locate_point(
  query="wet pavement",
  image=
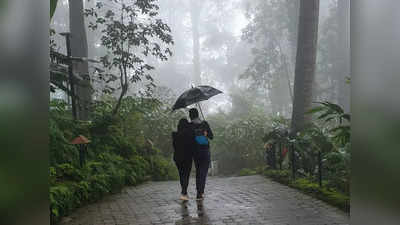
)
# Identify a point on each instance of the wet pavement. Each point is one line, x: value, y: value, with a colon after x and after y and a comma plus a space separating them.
x: 233, y: 200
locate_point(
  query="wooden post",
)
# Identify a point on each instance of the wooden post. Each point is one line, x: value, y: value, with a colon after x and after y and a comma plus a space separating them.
x: 71, y: 75
x: 82, y: 155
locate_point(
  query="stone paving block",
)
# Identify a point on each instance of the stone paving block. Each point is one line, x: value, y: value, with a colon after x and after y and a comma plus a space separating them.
x: 233, y: 200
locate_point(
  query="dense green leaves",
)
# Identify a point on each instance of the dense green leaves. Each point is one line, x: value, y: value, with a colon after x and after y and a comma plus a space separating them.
x: 119, y: 153
x: 335, y: 119
x: 238, y: 140
x: 329, y: 136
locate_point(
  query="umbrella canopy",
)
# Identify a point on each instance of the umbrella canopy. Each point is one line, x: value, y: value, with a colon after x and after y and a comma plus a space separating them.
x: 194, y: 95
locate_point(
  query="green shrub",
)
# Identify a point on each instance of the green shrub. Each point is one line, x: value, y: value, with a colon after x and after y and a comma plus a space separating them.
x: 99, y: 185
x: 281, y: 176
x: 72, y: 187
x: 52, y: 175
x: 67, y: 171
x: 261, y: 169
x: 247, y: 172
x: 93, y: 167
x: 61, y: 201
x: 306, y: 186
x: 117, y: 156
x: 60, y: 149
x: 163, y: 169
x: 82, y: 191
x: 332, y: 197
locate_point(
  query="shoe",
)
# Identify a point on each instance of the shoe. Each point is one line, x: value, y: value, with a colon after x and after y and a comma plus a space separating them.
x: 200, y: 197
x: 184, y: 198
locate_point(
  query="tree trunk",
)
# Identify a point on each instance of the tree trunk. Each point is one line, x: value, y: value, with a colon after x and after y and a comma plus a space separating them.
x: 293, y: 20
x: 79, y: 48
x: 305, y: 63
x: 71, y: 78
x: 293, y: 16
x: 124, y: 85
x: 195, y: 16
x: 344, y: 53
x: 124, y: 90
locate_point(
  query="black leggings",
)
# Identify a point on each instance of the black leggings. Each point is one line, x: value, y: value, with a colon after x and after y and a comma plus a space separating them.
x: 202, y: 162
x: 184, y: 168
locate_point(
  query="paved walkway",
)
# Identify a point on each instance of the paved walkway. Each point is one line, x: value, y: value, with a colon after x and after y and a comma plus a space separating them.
x: 234, y: 200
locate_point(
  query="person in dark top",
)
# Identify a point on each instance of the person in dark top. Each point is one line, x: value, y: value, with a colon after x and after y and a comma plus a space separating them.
x: 201, y: 150
x: 183, y: 142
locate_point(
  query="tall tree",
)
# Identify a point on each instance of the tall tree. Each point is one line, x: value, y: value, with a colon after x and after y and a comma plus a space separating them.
x: 292, y: 24
x: 130, y: 31
x: 79, y: 49
x: 305, y: 63
x: 195, y: 9
x: 343, y: 48
x: 272, y: 69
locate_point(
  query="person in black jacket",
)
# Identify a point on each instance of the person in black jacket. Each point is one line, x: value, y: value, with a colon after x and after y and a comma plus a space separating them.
x: 201, y: 150
x: 183, y: 142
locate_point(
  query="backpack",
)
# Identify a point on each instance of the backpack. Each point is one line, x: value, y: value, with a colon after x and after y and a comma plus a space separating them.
x: 199, y: 136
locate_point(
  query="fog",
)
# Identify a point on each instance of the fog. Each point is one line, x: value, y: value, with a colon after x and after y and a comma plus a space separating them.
x: 245, y: 48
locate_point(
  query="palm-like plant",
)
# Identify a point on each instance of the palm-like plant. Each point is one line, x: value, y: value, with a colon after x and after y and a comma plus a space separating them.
x: 330, y: 112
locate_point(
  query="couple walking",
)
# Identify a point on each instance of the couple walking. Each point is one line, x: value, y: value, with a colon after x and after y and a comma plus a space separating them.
x: 190, y: 143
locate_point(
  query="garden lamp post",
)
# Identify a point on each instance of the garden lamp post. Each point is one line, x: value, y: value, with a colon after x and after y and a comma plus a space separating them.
x: 82, y: 141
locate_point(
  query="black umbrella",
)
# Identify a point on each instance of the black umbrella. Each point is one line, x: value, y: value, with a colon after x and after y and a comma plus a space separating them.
x: 195, y: 95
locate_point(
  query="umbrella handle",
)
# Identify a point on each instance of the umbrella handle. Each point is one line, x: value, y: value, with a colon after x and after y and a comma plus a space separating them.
x: 201, y: 111
x: 198, y: 104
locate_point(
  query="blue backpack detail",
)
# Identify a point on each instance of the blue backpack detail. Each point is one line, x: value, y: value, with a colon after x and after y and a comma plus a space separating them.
x: 201, y: 140
x: 199, y: 130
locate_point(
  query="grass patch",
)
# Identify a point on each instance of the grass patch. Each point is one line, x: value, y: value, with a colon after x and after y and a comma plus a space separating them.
x: 330, y: 196
x: 247, y: 172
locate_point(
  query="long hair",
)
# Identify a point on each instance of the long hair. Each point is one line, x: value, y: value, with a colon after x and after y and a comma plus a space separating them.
x: 183, y: 124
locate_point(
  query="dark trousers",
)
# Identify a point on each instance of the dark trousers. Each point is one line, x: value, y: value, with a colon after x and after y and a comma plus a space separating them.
x: 202, y: 162
x: 184, y: 168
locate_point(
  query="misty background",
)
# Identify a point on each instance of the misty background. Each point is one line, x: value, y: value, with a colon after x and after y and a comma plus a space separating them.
x: 244, y: 48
